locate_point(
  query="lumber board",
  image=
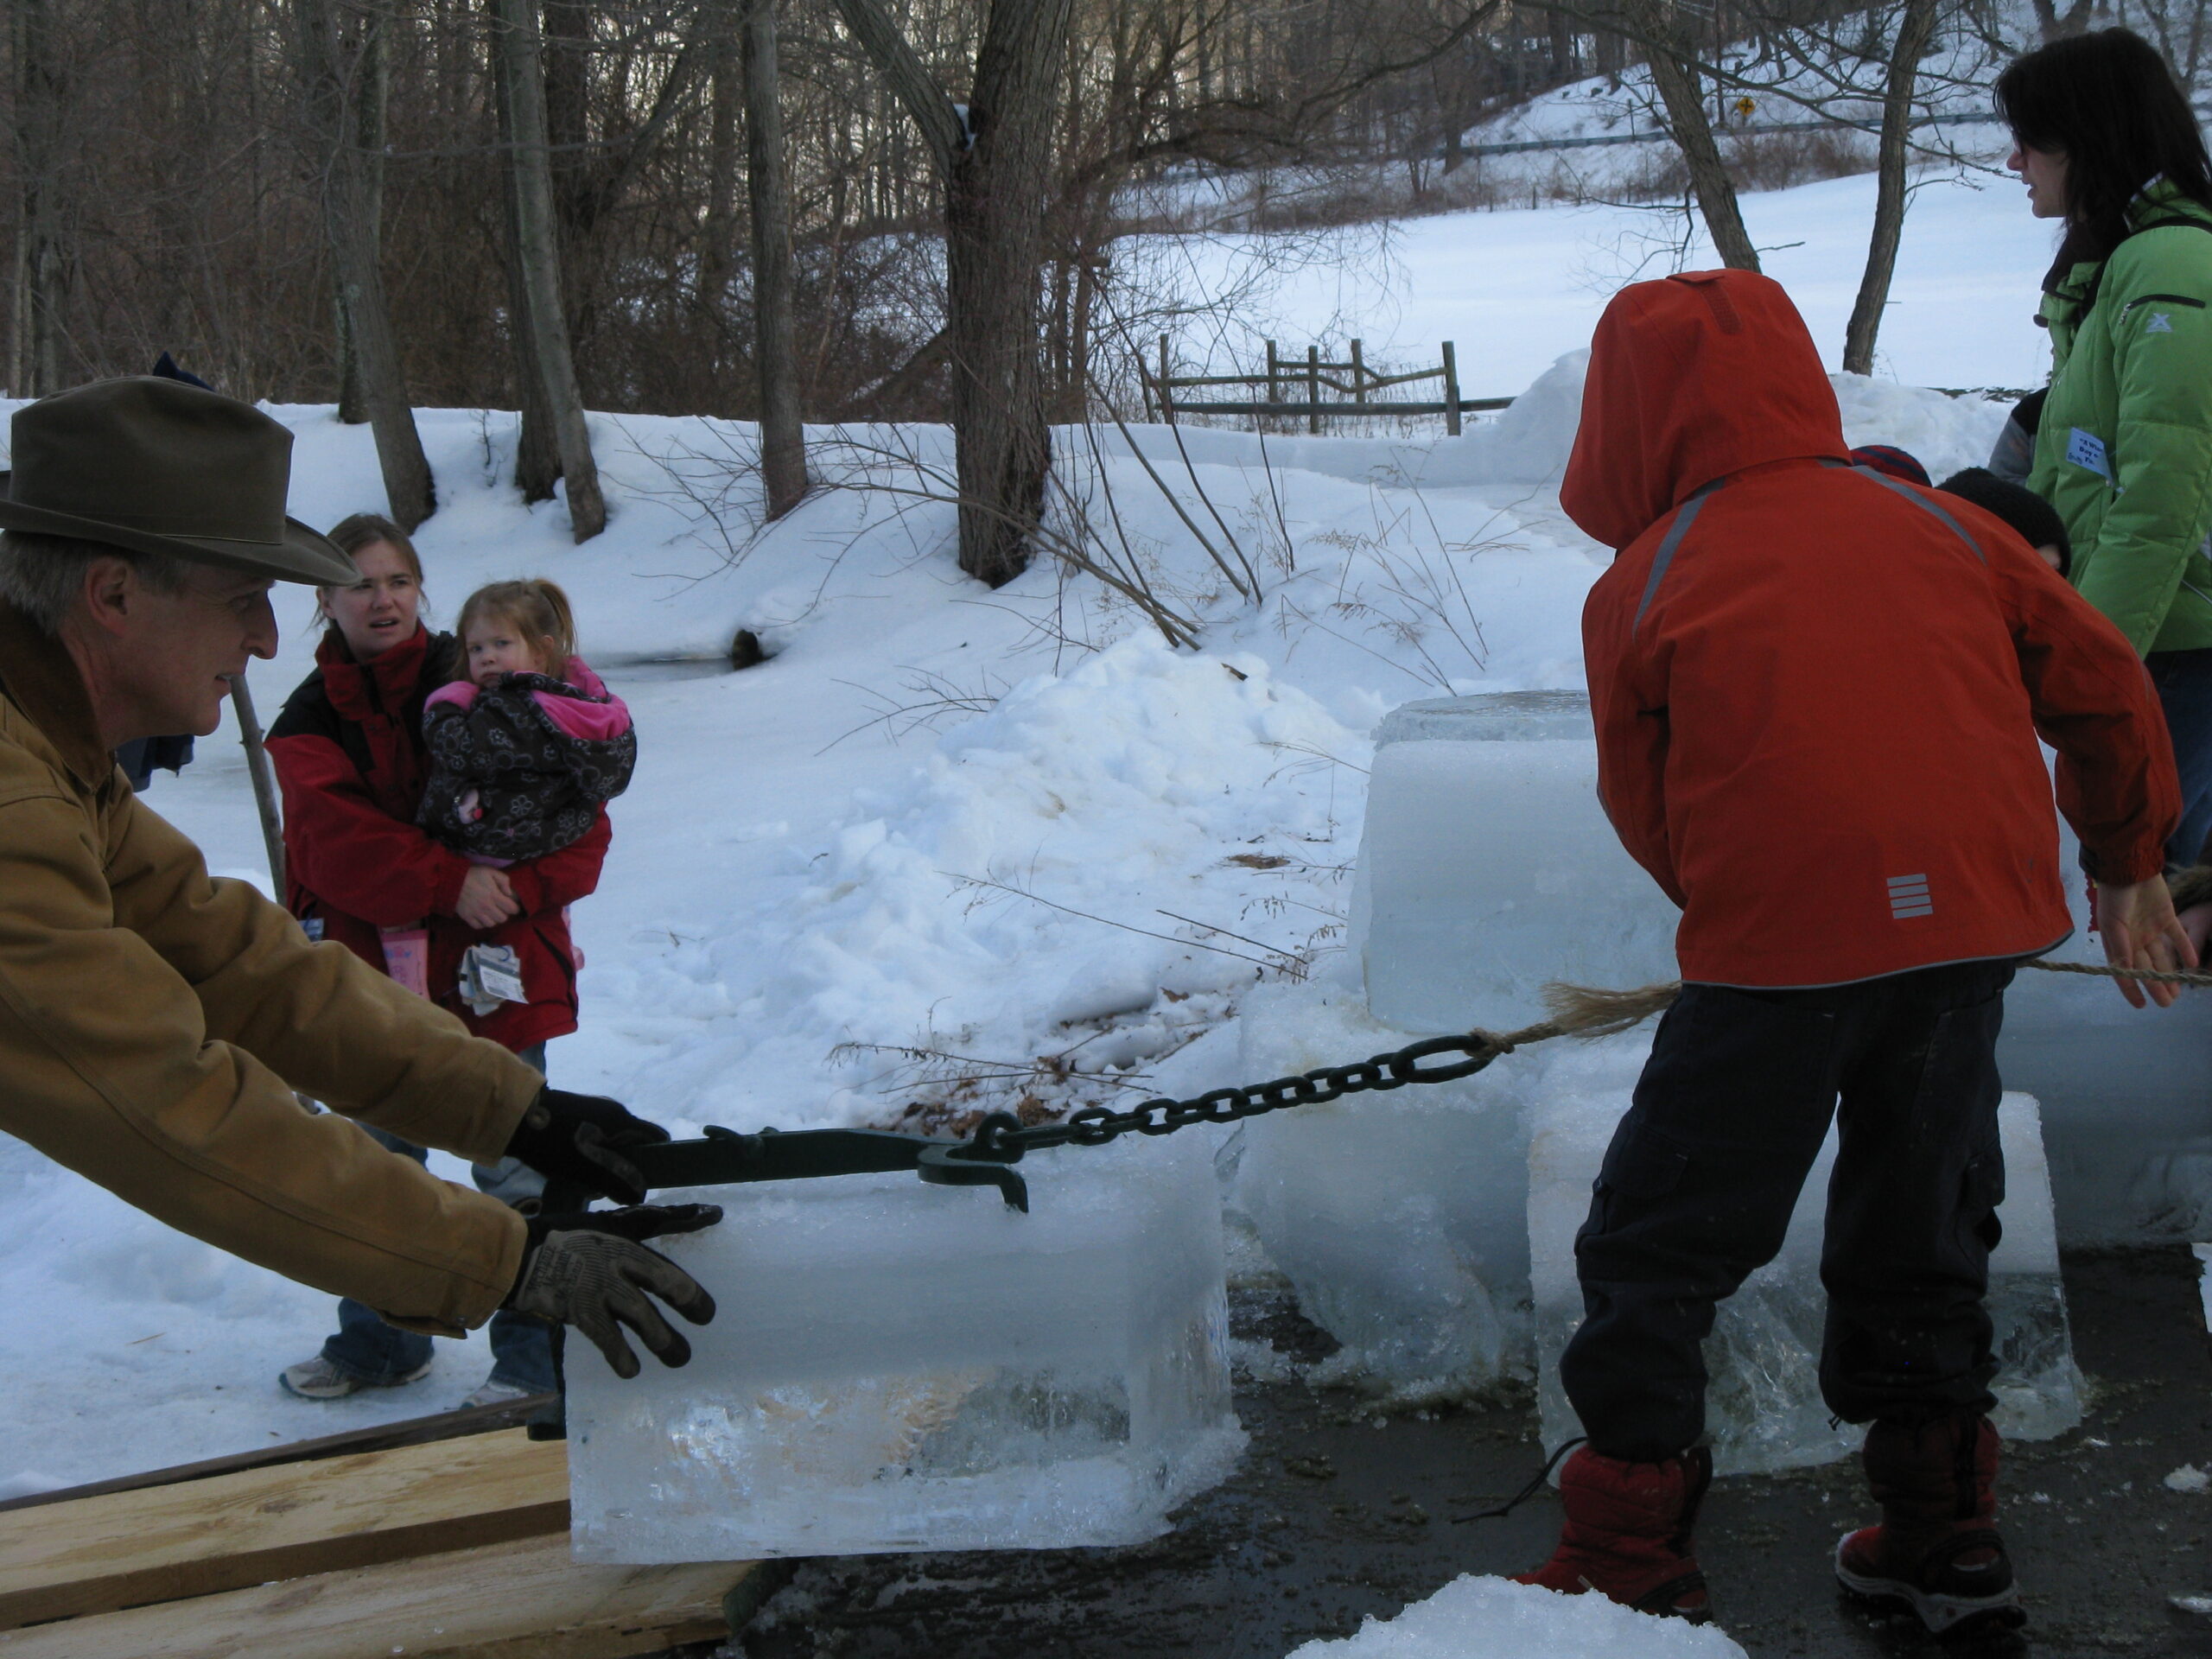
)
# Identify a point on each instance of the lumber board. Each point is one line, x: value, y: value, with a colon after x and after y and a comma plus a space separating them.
x: 521, y: 1600
x: 408, y: 1431
x: 202, y: 1537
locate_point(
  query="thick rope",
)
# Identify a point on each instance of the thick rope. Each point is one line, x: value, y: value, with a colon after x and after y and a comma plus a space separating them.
x: 1588, y: 1011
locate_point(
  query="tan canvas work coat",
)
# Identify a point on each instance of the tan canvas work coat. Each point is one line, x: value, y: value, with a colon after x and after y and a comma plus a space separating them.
x: 154, y: 1022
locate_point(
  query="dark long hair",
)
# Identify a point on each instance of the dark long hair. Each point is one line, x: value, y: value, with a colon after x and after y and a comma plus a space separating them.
x: 2107, y: 103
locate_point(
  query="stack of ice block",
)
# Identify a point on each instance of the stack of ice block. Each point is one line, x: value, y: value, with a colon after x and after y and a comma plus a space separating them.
x: 1487, y: 866
x: 1763, y: 1410
x: 902, y: 1367
x: 1397, y: 1217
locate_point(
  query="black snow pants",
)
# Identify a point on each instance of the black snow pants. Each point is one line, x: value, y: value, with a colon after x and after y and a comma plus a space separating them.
x: 1697, y: 1188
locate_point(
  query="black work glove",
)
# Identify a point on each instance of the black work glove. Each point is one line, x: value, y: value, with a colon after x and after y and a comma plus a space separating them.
x: 578, y: 1140
x: 590, y: 1269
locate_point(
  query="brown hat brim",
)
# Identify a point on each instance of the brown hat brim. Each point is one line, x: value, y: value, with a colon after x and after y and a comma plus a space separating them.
x: 303, y: 554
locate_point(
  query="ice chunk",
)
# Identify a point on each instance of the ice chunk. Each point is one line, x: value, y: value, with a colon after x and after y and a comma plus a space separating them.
x: 2122, y: 1091
x: 1763, y: 1410
x: 1475, y: 1618
x: 1396, y: 1216
x: 1487, y: 866
x: 902, y: 1367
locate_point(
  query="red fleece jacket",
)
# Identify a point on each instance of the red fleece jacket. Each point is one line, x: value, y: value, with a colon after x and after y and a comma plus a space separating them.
x: 1818, y: 692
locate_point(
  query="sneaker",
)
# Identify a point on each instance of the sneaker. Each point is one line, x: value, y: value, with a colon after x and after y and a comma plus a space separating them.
x: 1627, y: 1533
x: 496, y: 1393
x: 1937, y: 1550
x: 318, y: 1379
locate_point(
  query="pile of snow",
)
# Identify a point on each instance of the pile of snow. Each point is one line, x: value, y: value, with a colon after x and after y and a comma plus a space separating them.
x: 1481, y: 1617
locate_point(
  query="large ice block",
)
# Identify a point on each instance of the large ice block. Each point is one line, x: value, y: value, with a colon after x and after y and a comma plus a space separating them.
x: 1763, y: 1410
x: 1397, y: 1217
x: 902, y: 1367
x: 1487, y: 866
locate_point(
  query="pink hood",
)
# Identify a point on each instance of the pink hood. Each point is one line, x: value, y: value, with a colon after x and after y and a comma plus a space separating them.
x: 589, y: 711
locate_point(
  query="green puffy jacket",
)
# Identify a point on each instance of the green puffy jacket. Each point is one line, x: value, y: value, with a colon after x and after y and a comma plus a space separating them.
x: 2124, y: 448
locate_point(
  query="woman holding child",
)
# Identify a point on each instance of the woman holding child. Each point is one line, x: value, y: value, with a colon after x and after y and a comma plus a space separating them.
x: 2105, y: 142
x: 471, y: 911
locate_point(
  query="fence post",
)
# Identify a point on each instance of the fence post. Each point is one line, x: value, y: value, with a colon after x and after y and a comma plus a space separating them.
x: 1313, y: 390
x: 1144, y: 381
x: 1274, y: 368
x: 1358, y: 374
x: 1166, y: 390
x: 1451, y: 390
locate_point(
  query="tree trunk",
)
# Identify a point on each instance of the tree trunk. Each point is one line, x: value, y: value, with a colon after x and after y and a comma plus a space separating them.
x: 783, y: 444
x: 537, y: 458
x: 45, y: 269
x: 371, y: 82
x: 542, y: 335
x: 1672, y: 73
x: 997, y: 163
x: 332, y: 70
x: 1914, y: 30
x: 994, y: 245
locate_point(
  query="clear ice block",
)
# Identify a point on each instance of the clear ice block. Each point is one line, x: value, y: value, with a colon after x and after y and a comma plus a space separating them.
x: 1764, y: 1409
x: 1397, y: 1217
x: 1487, y: 866
x: 895, y: 1366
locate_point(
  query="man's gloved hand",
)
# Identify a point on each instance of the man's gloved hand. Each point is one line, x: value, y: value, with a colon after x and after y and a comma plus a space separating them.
x: 579, y: 1139
x: 590, y: 1269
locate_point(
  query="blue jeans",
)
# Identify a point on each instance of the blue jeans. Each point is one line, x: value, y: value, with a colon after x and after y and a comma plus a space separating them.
x: 368, y: 1350
x: 2184, y: 679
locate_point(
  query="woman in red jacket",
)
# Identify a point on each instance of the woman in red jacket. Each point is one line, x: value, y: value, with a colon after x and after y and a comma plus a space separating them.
x: 350, y: 759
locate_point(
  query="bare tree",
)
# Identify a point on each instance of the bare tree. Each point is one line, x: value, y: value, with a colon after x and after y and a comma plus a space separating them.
x: 45, y: 267
x: 542, y: 331
x: 1673, y: 57
x: 1916, y: 27
x: 783, y: 444
x: 337, y: 46
x: 994, y: 154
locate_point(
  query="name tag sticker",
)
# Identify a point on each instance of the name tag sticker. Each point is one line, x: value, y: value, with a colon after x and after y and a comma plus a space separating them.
x: 2087, y: 450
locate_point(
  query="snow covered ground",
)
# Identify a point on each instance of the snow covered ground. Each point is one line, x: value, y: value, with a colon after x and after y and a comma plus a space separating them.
x: 952, y: 848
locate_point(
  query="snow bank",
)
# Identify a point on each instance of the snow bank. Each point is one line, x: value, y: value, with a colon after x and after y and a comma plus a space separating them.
x: 1481, y: 1617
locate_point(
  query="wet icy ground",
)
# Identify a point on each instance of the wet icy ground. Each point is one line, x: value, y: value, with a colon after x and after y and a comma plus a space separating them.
x: 1335, y: 1517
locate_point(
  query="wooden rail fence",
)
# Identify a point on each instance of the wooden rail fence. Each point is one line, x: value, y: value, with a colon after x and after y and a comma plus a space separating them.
x: 1287, y: 378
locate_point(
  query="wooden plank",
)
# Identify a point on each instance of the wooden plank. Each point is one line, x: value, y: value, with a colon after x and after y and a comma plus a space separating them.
x: 522, y: 1600
x: 199, y: 1537
x: 408, y: 1431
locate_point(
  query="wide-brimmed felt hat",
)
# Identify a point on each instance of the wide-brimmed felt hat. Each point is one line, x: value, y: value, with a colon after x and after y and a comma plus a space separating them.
x: 157, y: 466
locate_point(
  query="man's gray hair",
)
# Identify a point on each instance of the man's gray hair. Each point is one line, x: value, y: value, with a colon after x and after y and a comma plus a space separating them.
x: 42, y: 575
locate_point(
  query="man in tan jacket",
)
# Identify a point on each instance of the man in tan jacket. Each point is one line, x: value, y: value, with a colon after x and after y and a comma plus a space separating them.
x: 154, y: 1022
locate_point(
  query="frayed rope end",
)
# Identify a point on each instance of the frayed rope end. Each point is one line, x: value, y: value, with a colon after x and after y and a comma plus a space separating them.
x: 1588, y: 1011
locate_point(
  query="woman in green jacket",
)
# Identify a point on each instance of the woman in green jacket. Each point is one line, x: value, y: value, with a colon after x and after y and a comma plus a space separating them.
x: 2106, y: 141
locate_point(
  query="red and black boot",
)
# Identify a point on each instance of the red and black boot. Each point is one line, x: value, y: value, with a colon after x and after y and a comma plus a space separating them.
x: 1937, y: 1549
x: 1627, y: 1533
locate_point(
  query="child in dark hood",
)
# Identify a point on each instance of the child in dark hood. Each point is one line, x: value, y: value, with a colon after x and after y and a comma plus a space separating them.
x: 526, y: 751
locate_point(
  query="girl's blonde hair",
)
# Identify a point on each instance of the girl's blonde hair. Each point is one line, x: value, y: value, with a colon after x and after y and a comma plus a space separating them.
x: 535, y: 608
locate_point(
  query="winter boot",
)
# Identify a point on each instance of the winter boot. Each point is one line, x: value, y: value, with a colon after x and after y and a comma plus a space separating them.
x: 1937, y: 1550
x: 1627, y: 1533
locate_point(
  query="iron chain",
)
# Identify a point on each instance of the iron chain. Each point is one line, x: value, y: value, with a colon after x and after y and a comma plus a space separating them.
x: 1002, y: 1137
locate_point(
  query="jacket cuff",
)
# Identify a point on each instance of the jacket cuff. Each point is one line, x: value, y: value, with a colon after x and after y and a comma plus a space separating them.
x: 453, y: 870
x: 472, y: 1302
x: 2111, y: 869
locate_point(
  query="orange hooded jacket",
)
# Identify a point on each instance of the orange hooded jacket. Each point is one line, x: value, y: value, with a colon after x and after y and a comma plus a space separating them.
x: 1818, y: 689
